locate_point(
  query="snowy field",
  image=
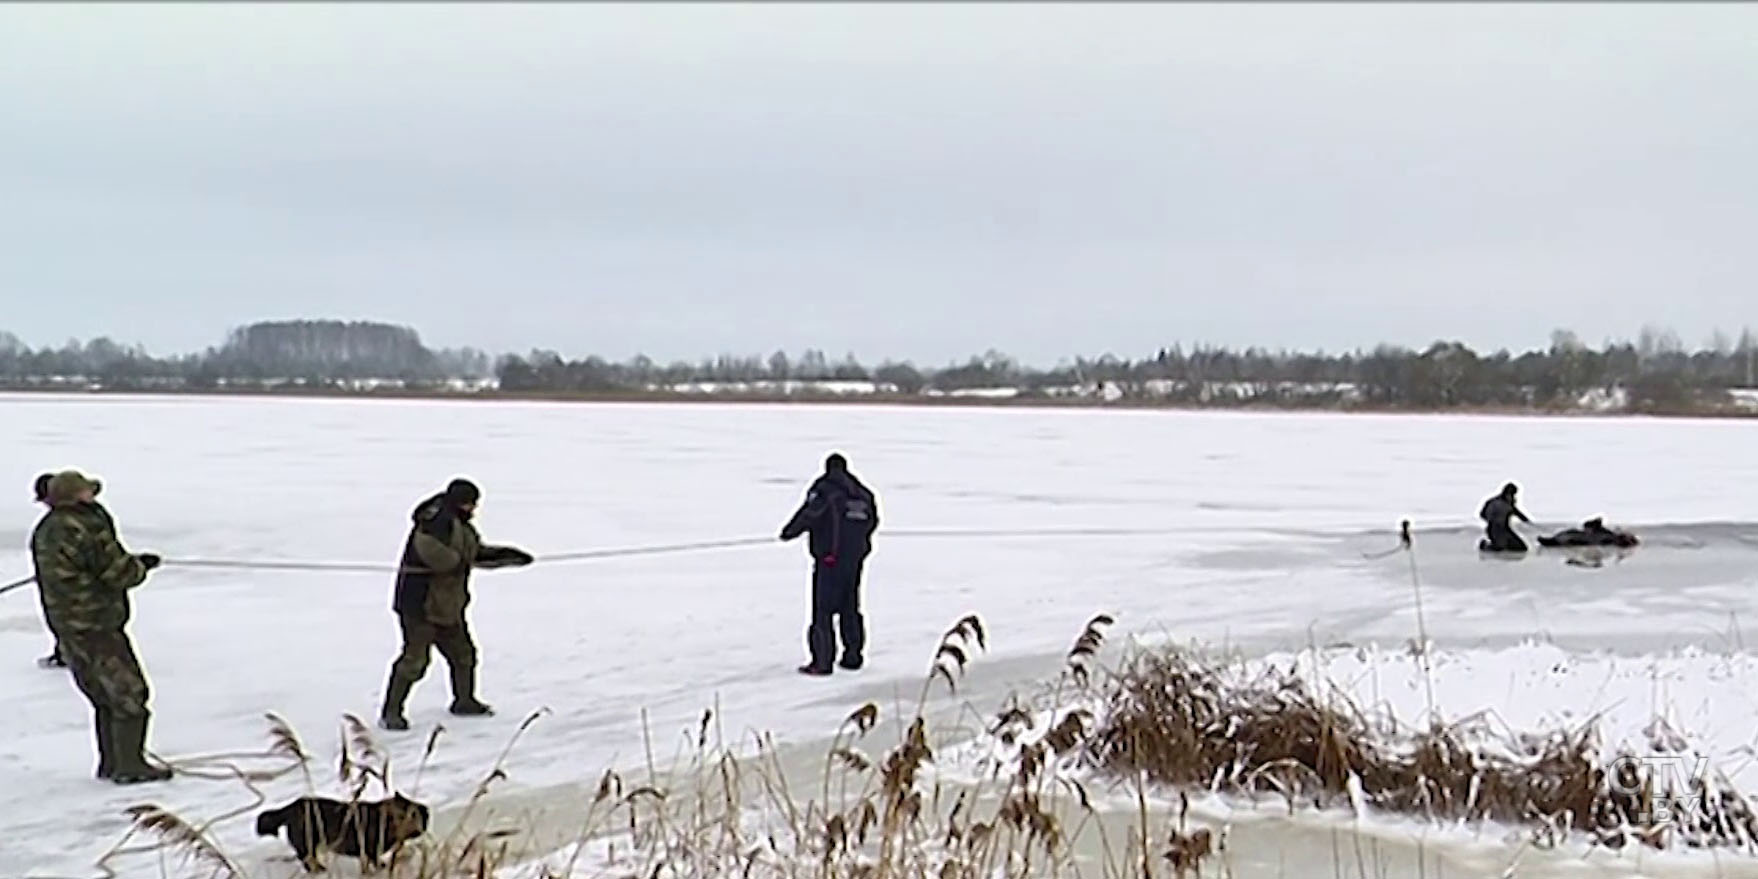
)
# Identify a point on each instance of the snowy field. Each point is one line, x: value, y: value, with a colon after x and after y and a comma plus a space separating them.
x: 1246, y: 531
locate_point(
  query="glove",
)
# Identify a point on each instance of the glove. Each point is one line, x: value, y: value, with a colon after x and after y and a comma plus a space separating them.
x: 504, y: 557
x: 150, y: 560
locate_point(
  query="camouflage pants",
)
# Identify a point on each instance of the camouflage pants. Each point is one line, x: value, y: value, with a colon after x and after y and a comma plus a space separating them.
x: 420, y: 637
x: 106, y: 670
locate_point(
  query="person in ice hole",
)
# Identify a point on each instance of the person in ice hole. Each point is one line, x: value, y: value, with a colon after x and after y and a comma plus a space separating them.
x: 1592, y: 532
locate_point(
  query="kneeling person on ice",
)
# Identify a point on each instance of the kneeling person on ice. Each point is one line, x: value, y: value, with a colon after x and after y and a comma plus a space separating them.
x: 85, y: 575
x: 433, y: 589
x: 841, y: 515
x: 1499, y: 534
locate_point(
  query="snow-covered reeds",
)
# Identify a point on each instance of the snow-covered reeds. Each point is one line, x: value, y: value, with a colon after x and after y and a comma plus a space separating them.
x: 1189, y: 722
x: 911, y: 794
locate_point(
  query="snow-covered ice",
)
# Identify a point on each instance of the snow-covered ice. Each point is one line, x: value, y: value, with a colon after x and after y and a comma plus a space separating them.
x: 1260, y: 521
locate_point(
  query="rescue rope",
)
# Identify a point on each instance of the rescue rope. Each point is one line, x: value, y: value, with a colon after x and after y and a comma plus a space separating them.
x: 657, y: 549
x: 665, y: 549
x: 1405, y: 544
x: 1044, y: 532
x: 1408, y: 545
x: 369, y: 567
x: 211, y: 767
x: 241, y: 564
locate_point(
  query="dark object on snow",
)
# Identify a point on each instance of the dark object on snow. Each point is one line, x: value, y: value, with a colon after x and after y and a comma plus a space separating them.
x: 432, y: 592
x: 1591, y: 533
x: 841, y: 515
x: 368, y: 830
x: 1405, y: 544
x: 1497, y: 512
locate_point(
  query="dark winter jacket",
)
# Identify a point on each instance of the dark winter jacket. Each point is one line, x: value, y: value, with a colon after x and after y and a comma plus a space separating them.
x: 443, y: 547
x: 840, y: 514
x: 1498, y: 510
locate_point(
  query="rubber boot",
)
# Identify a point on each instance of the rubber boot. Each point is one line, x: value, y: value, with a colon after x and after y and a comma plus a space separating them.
x: 464, y: 701
x: 396, y: 693
x: 128, y: 752
x: 821, y: 644
x: 106, y: 743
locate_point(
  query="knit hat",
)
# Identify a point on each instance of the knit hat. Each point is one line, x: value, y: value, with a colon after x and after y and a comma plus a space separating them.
x: 462, y: 492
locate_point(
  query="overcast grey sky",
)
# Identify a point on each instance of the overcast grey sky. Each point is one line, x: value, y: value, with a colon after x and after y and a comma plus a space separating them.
x: 921, y: 181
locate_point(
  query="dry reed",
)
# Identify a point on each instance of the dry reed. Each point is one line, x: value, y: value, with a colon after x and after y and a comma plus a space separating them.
x: 886, y: 810
x: 1183, y: 721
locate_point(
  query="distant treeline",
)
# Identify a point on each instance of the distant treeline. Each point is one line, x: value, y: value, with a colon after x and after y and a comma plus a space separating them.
x: 306, y: 352
x: 1656, y: 371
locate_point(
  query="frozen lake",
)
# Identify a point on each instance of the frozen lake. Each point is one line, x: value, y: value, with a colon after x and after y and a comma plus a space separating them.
x: 1258, y: 528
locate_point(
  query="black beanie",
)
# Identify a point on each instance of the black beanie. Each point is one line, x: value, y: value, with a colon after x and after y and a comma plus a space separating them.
x: 461, y: 492
x: 836, y: 463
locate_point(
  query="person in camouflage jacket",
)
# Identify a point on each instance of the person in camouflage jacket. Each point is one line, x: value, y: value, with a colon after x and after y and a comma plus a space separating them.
x: 84, y: 575
x: 432, y: 591
x: 41, y: 487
